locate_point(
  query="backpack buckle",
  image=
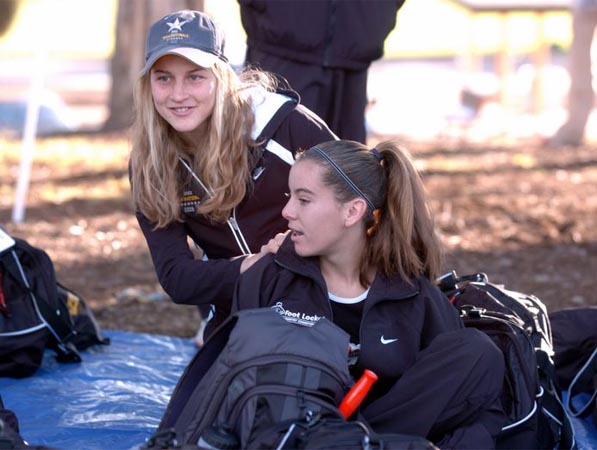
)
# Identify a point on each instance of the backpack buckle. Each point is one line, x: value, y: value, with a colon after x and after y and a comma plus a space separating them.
x: 163, y: 439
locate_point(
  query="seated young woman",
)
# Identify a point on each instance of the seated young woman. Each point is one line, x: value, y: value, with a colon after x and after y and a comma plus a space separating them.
x: 362, y: 251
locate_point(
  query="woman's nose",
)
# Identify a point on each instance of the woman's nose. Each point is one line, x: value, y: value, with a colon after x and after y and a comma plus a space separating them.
x: 287, y: 210
x: 179, y: 91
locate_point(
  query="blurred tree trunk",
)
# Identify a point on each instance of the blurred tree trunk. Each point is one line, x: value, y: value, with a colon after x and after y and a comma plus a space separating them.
x: 133, y: 20
x: 8, y: 9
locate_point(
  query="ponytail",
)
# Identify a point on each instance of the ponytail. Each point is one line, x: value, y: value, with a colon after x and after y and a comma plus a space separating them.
x: 404, y: 240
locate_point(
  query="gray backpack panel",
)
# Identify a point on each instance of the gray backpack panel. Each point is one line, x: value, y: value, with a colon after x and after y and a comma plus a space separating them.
x: 255, y: 371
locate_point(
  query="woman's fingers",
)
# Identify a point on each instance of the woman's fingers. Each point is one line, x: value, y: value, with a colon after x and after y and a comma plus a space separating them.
x: 272, y: 246
x: 274, y: 243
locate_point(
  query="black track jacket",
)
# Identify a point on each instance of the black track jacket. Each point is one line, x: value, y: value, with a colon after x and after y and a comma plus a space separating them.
x: 191, y: 281
x: 399, y: 319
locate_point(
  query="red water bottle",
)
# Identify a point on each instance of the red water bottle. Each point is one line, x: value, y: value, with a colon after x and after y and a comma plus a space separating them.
x: 357, y: 393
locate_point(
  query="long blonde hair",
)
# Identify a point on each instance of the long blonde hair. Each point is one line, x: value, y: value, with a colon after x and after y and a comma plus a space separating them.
x: 222, y: 159
x: 401, y: 235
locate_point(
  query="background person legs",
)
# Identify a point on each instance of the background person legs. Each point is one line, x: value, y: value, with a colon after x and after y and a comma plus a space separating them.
x: 338, y: 96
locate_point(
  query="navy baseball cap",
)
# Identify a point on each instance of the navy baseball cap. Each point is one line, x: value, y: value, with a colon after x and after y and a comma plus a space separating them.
x: 190, y: 34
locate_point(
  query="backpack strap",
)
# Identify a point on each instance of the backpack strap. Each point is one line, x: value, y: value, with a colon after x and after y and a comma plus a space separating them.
x: 584, y: 381
x: 551, y: 403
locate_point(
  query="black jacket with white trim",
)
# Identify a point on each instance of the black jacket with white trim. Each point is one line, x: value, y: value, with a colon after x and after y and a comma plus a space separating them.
x: 255, y: 220
x: 400, y: 319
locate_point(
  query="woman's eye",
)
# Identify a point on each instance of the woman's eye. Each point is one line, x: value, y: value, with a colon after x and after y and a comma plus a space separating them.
x: 196, y: 77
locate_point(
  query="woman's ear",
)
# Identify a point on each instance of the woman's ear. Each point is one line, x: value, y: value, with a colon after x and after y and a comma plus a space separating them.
x: 355, y: 211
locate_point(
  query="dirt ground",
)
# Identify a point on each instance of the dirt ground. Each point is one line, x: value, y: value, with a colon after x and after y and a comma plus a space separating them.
x: 525, y: 215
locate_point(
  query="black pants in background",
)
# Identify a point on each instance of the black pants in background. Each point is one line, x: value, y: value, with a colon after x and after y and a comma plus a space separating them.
x: 338, y: 96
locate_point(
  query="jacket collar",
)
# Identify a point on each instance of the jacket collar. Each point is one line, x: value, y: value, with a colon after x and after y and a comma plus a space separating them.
x: 382, y: 288
x: 266, y: 110
x: 288, y: 258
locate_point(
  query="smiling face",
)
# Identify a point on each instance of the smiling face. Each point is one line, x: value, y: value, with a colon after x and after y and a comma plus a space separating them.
x: 316, y: 219
x: 183, y: 93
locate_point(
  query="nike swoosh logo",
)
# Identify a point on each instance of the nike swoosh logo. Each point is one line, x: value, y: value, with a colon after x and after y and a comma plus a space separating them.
x: 388, y: 341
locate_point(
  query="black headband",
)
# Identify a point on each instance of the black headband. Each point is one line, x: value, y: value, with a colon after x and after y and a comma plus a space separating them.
x: 345, y: 177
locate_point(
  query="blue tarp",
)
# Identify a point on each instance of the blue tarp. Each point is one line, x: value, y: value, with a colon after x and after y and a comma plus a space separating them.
x: 116, y: 397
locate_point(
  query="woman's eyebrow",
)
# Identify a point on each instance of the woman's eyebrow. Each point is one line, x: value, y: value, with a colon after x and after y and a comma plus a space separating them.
x: 303, y: 191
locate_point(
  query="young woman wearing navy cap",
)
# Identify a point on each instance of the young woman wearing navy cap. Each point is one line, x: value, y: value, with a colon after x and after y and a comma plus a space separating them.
x: 211, y: 153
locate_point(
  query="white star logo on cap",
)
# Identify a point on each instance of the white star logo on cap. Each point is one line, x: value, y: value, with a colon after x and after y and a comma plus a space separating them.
x: 176, y: 25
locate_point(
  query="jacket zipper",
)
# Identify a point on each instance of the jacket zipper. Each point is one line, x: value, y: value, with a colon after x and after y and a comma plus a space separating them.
x: 216, y: 400
x: 232, y: 223
x: 237, y: 234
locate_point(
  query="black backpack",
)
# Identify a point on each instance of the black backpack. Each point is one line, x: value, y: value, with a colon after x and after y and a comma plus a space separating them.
x: 519, y: 325
x: 332, y: 433
x: 38, y: 313
x: 260, y: 382
x: 255, y: 371
x: 575, y: 343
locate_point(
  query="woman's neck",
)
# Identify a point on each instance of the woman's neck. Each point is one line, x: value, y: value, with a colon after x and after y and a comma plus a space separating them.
x: 196, y: 136
x: 341, y: 273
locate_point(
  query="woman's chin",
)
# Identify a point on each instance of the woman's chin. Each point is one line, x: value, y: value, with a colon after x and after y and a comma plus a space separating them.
x: 303, y: 251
